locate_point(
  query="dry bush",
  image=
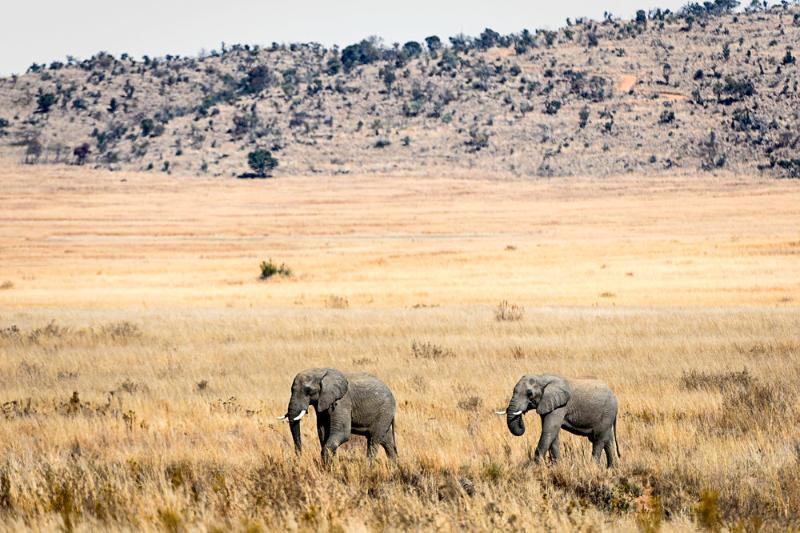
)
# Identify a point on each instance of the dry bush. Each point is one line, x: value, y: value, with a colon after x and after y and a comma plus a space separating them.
x: 6, y: 285
x: 336, y: 302
x: 506, y: 312
x: 698, y: 380
x: 429, y: 350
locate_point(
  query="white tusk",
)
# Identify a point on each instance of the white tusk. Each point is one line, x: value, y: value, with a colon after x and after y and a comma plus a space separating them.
x: 517, y: 413
x: 500, y: 412
x: 301, y: 415
x: 284, y: 417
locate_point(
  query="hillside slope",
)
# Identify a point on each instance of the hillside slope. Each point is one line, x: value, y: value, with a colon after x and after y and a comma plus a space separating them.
x: 702, y: 89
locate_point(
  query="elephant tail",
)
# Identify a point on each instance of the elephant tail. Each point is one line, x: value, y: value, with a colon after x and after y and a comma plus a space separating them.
x: 616, y: 440
x: 394, y: 440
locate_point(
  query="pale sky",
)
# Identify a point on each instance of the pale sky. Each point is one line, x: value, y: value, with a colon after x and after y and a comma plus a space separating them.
x: 47, y: 30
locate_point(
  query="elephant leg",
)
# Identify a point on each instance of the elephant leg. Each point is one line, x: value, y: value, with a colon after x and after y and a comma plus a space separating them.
x: 372, y: 448
x: 332, y: 444
x: 555, y: 451
x: 323, y: 428
x: 338, y: 433
x: 597, y: 449
x: 551, y: 425
x: 389, y: 445
x: 611, y: 454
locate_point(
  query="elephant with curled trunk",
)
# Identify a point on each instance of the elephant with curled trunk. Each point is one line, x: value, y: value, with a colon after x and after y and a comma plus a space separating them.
x: 357, y: 404
x: 585, y: 407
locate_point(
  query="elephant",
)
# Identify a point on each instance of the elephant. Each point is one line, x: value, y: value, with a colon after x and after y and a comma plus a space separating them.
x: 345, y: 404
x: 585, y: 407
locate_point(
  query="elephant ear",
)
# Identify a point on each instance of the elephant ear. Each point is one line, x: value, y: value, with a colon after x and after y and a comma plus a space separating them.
x: 332, y: 387
x: 556, y: 394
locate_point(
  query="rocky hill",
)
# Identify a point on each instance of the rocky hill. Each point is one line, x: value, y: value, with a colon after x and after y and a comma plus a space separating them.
x: 706, y: 89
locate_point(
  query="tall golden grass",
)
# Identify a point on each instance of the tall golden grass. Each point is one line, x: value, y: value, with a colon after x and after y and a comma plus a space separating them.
x: 140, y: 379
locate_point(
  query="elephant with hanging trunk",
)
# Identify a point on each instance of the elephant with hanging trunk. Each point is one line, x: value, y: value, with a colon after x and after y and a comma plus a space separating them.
x: 584, y: 407
x: 357, y: 404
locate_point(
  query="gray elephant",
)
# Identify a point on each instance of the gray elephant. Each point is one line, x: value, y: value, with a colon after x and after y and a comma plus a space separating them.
x: 357, y: 404
x: 585, y: 407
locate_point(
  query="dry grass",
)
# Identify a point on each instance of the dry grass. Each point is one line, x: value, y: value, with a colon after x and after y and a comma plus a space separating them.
x: 142, y: 363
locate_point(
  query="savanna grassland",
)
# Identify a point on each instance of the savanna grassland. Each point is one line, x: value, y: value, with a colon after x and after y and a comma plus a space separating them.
x: 143, y: 363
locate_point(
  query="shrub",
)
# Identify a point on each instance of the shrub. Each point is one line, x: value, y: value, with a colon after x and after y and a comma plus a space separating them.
x: 506, y: 312
x: 583, y: 117
x: 788, y: 59
x: 147, y: 125
x: 44, y: 101
x: 667, y: 117
x: 256, y: 80
x: 363, y: 53
x: 477, y: 140
x: 81, y: 153
x: 551, y: 107
x: 433, y: 43
x: 428, y: 350
x: 336, y: 302
x: 262, y: 162
x: 412, y: 49
x: 270, y: 269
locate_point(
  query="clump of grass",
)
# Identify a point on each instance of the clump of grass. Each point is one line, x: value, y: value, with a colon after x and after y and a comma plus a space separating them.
x: 508, y: 312
x: 270, y: 269
x: 473, y: 403
x: 707, y: 513
x: 120, y: 331
x: 336, y: 302
x: 698, y: 380
x: 429, y: 350
x: 6, y: 285
x: 517, y: 352
x: 650, y: 515
x: 131, y: 387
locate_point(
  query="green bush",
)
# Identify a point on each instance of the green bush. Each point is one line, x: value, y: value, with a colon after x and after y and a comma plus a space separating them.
x: 269, y: 269
x: 262, y: 162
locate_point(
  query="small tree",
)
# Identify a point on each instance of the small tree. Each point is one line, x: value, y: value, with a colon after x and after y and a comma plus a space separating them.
x: 44, y: 102
x: 412, y: 49
x: 262, y: 162
x: 81, y: 153
x: 583, y: 117
x: 434, y: 43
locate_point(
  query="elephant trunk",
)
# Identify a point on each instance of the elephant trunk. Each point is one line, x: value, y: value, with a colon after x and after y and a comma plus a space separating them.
x: 516, y: 425
x: 297, y: 406
x: 295, y: 428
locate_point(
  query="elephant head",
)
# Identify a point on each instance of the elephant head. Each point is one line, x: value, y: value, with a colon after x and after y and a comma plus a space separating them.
x: 543, y: 393
x: 320, y: 387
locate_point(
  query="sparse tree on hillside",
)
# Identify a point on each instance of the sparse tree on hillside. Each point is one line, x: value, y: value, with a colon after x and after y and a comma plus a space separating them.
x: 262, y: 162
x: 433, y: 43
x: 256, y: 80
x: 44, y: 101
x: 412, y: 49
x: 81, y: 153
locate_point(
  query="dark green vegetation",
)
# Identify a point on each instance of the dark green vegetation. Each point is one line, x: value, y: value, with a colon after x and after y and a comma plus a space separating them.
x: 522, y: 104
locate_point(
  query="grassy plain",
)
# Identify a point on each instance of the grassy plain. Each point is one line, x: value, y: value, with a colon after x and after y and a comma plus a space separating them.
x: 141, y: 294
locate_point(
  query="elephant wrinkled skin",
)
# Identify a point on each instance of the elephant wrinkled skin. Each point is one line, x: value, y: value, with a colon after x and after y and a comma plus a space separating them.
x: 585, y: 407
x: 345, y: 404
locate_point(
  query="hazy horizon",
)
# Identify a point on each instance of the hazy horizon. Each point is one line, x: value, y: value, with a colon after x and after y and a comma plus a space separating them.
x: 49, y: 31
